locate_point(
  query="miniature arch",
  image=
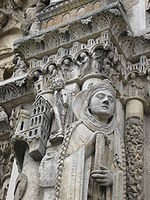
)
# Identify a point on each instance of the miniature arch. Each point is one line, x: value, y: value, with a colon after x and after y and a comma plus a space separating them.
x: 31, y: 73
x: 45, y: 68
x: 77, y: 55
x: 98, y: 46
x: 69, y: 57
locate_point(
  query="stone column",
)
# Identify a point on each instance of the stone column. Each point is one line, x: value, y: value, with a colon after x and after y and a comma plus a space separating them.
x: 134, y: 143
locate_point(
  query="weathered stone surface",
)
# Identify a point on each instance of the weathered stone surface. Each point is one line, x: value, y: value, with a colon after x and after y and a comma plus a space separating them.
x: 74, y: 88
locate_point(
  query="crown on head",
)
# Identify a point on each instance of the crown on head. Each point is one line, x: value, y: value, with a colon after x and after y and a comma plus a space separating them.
x: 103, y: 85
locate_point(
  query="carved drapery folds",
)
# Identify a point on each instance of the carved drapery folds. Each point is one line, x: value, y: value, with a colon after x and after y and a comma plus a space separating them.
x: 20, y: 187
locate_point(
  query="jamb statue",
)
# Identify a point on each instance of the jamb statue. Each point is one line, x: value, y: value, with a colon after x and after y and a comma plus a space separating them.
x: 92, y: 161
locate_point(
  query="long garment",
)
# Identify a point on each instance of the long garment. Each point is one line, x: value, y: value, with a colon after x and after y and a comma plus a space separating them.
x: 80, y: 160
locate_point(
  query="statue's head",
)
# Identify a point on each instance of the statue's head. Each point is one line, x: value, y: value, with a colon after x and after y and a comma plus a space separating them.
x: 101, y: 101
x: 83, y: 54
x: 96, y: 102
x: 102, y: 104
x: 64, y: 97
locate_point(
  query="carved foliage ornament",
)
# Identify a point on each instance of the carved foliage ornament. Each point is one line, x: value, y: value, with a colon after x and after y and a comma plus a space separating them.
x: 134, y: 143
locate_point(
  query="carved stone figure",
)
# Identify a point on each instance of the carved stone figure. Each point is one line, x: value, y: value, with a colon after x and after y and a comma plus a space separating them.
x: 84, y: 63
x: 69, y: 69
x: 20, y: 188
x: 98, y: 60
x: 38, y: 81
x: 3, y: 115
x: 91, y: 164
x: 34, y: 27
x: 20, y: 65
x: 57, y: 83
x: 14, y: 117
x: 66, y: 65
x: 62, y: 113
x: 51, y: 71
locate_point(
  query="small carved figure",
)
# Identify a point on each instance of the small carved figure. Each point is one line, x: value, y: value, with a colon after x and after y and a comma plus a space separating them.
x: 20, y: 66
x: 84, y: 63
x: 70, y: 70
x: 14, y: 117
x: 98, y: 60
x: 38, y: 81
x: 57, y: 83
x: 66, y: 65
x: 21, y: 185
x: 51, y: 74
x: 61, y: 104
x: 34, y: 27
x: 3, y: 115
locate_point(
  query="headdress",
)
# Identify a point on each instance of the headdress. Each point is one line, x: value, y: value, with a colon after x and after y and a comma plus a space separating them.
x: 81, y: 101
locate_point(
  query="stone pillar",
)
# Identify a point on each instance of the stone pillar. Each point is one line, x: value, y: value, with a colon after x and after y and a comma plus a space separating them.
x: 134, y: 143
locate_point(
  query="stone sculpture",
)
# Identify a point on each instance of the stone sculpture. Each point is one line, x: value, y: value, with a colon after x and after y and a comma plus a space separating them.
x: 70, y: 70
x: 62, y: 116
x: 3, y: 115
x: 101, y: 62
x: 84, y: 63
x: 91, y: 165
x: 20, y: 188
x: 66, y: 65
x: 52, y: 73
x: 20, y: 66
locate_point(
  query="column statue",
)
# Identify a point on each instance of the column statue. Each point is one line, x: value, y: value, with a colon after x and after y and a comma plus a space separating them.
x: 92, y: 160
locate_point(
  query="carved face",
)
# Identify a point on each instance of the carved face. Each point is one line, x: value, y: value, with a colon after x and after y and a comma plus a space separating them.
x: 102, y: 105
x: 66, y: 61
x: 64, y: 97
x: 83, y: 54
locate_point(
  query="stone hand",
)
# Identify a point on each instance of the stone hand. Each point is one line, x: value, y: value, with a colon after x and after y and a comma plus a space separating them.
x: 102, y: 176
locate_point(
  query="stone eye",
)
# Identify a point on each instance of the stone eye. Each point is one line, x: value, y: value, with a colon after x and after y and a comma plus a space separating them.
x: 110, y: 99
x: 100, y: 96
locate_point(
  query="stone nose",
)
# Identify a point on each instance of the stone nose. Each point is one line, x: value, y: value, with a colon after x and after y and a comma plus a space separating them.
x: 105, y: 100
